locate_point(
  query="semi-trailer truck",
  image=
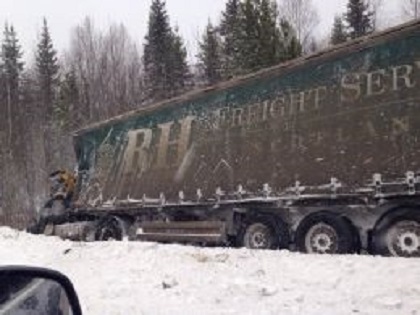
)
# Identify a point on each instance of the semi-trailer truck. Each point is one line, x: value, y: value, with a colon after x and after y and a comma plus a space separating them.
x: 319, y: 154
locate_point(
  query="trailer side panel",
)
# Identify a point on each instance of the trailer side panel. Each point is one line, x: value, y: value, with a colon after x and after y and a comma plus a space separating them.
x: 345, y: 114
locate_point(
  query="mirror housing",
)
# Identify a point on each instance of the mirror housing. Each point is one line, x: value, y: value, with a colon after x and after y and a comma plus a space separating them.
x: 20, y: 284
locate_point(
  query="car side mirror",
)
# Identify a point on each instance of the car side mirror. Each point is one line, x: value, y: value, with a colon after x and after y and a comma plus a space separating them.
x: 27, y: 290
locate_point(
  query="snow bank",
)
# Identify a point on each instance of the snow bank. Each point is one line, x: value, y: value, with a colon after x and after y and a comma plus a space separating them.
x: 149, y: 278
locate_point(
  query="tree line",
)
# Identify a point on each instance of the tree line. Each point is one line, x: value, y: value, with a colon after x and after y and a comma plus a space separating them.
x: 105, y: 73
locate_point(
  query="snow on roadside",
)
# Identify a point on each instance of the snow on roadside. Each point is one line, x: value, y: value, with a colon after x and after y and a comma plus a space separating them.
x: 149, y: 278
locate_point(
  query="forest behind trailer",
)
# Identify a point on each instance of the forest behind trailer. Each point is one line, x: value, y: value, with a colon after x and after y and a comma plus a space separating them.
x: 216, y: 164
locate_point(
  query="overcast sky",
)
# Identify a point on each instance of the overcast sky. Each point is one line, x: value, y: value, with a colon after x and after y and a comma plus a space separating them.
x: 190, y: 15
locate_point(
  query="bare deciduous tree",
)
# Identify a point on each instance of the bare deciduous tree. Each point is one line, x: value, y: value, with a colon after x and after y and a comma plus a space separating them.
x: 122, y: 64
x: 376, y: 7
x: 108, y: 70
x: 410, y: 9
x: 304, y: 18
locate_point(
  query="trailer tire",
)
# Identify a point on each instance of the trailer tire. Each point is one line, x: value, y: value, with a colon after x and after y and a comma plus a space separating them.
x: 398, y: 234
x: 327, y: 233
x: 111, y: 228
x: 259, y: 235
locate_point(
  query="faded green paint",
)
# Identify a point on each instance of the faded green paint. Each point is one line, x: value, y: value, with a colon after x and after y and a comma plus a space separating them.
x: 359, y: 115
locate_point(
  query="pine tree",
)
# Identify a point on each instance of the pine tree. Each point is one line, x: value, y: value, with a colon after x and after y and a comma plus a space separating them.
x: 12, y: 126
x: 260, y: 41
x: 359, y: 18
x: 178, y: 66
x: 270, y: 50
x: 338, y: 34
x: 11, y: 70
x: 155, y: 58
x: 164, y: 58
x: 249, y: 40
x: 12, y: 66
x: 67, y: 113
x: 292, y: 48
x: 230, y: 31
x: 47, y: 70
x: 210, y: 60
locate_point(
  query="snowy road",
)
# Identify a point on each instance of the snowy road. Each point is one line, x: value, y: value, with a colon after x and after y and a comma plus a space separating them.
x: 148, y: 278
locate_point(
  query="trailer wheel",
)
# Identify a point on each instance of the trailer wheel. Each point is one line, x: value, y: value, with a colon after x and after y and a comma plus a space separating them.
x: 110, y: 229
x: 398, y: 234
x: 327, y: 233
x: 259, y: 236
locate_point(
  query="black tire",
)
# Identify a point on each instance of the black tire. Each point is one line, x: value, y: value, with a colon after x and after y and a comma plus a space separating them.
x: 398, y: 234
x: 109, y: 229
x: 36, y: 228
x: 327, y: 233
x: 265, y: 232
x: 259, y: 236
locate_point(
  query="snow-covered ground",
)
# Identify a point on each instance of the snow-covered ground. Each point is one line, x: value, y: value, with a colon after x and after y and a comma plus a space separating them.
x: 149, y: 278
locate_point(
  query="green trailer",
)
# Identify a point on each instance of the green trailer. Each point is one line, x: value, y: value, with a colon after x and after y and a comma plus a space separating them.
x: 318, y: 154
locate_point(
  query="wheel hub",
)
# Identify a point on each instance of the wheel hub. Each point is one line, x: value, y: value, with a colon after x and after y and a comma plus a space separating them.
x: 259, y: 240
x: 403, y: 239
x: 321, y: 239
x: 107, y: 234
